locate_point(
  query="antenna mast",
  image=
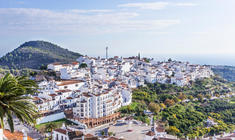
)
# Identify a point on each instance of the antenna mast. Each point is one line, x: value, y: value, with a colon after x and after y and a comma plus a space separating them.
x: 107, y: 52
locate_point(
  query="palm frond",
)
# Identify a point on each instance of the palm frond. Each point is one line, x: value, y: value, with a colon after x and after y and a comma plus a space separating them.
x: 14, y: 100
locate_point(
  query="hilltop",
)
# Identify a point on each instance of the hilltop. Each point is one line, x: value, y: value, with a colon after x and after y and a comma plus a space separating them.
x: 34, y: 54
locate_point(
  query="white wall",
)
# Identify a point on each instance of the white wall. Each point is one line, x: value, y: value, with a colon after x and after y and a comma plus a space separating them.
x: 60, y: 135
x: 72, y: 86
x: 1, y: 134
x: 50, y: 118
x: 126, y: 97
x: 78, y: 123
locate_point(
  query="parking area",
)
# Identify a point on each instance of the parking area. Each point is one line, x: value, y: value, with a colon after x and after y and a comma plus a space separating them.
x: 130, y: 130
x: 123, y: 129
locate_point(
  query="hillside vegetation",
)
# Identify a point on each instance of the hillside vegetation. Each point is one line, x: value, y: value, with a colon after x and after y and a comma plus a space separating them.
x: 34, y: 54
x: 227, y: 72
x: 185, y: 110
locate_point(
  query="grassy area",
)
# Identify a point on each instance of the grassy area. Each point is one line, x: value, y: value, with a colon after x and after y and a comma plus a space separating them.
x: 232, y: 100
x: 58, y: 123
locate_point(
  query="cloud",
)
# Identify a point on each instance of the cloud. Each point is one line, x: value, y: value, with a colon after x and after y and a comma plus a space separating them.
x: 151, y: 5
x: 75, y: 21
x: 155, y: 5
x: 90, y: 11
x: 186, y: 4
x: 201, y: 33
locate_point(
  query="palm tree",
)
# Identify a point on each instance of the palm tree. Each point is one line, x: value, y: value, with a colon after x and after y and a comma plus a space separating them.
x: 50, y: 127
x: 14, y: 100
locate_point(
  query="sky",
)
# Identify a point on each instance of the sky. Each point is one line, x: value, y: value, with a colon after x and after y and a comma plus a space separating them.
x: 155, y: 28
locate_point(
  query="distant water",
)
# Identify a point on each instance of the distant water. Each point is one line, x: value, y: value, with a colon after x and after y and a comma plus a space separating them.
x: 211, y: 59
x: 200, y: 59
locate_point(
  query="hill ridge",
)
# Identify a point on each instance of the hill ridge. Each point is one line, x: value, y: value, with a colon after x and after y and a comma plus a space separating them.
x: 34, y: 54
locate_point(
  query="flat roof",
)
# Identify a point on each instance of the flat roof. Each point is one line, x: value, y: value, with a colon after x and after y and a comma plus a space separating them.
x: 69, y: 82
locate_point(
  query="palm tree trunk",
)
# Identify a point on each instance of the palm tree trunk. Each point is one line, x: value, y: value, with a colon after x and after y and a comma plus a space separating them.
x: 51, y: 133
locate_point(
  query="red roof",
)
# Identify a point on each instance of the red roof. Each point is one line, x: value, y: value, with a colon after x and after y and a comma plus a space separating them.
x: 56, y: 63
x: 63, y: 131
x: 70, y: 82
x: 113, y: 138
x: 86, y: 95
x: 150, y: 133
x: 160, y: 129
x: 52, y: 95
x: 74, y: 63
x: 36, y: 98
x: 109, y: 101
x: 65, y: 90
x: 15, y: 135
x: 89, y: 135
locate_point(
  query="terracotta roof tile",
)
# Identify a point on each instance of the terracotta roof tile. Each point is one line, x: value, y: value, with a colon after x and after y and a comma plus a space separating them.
x: 15, y: 135
x: 89, y: 135
x: 150, y: 133
x: 65, y: 90
x: 62, y: 131
x: 70, y: 82
x: 113, y: 138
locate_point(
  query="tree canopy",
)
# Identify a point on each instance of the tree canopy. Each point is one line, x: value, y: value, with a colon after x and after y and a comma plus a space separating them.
x: 35, y: 54
x: 14, y: 100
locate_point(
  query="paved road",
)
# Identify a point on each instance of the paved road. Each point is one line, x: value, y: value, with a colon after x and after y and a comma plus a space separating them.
x: 97, y: 130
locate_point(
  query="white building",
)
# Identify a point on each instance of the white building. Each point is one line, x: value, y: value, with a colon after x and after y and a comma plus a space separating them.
x: 96, y: 106
x: 55, y: 67
x: 106, y: 84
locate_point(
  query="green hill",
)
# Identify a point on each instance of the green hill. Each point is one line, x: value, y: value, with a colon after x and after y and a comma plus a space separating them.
x: 227, y: 72
x: 183, y: 111
x: 34, y: 54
